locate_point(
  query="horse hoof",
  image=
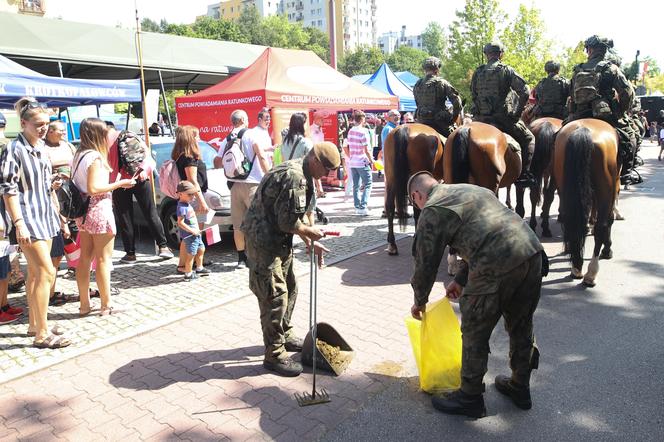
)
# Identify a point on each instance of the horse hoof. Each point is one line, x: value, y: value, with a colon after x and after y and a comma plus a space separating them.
x: 576, y: 274
x: 606, y: 254
x: 619, y: 217
x: 588, y: 282
x: 546, y: 233
x: 392, y: 250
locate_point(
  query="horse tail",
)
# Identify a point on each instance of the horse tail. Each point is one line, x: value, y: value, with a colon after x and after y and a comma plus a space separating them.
x: 401, y: 173
x: 577, y: 193
x: 544, y: 142
x: 460, y: 156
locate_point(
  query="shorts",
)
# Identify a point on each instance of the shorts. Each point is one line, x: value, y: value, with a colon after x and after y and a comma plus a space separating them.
x: 58, y: 246
x: 241, y: 196
x: 193, y: 243
x: 4, y: 267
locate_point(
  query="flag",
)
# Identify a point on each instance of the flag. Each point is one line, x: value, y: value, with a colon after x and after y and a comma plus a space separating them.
x: 212, y: 235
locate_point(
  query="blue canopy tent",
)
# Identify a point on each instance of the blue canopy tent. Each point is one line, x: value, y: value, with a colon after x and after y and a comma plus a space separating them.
x: 17, y: 81
x: 407, y: 77
x: 386, y: 81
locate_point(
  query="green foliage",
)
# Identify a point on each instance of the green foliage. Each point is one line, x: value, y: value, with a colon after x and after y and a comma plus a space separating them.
x: 474, y: 26
x: 218, y: 29
x: 526, y: 48
x: 570, y: 58
x: 318, y: 42
x: 250, y: 23
x: 405, y: 58
x: 148, y: 25
x: 433, y: 39
x: 363, y: 60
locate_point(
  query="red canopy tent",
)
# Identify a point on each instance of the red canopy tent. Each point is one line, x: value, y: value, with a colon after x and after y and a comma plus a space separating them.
x: 282, y: 79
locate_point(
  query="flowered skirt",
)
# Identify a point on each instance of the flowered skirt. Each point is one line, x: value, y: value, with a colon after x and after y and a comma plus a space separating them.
x: 100, y: 218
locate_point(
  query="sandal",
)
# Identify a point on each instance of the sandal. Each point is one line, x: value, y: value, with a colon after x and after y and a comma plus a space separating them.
x: 56, y: 330
x: 83, y: 313
x: 180, y: 269
x: 53, y: 341
x: 93, y: 293
x: 108, y: 311
x: 58, y: 299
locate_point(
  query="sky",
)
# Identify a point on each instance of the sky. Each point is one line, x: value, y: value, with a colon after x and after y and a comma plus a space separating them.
x: 567, y: 21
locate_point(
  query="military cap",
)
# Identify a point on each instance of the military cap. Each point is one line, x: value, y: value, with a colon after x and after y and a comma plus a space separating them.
x: 551, y: 66
x: 431, y: 63
x: 491, y: 48
x: 328, y: 154
x: 595, y: 41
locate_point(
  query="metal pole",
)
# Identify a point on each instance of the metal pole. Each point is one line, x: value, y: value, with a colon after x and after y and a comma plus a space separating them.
x: 128, y: 115
x: 139, y: 50
x: 69, y: 122
x: 332, y: 31
x: 163, y: 96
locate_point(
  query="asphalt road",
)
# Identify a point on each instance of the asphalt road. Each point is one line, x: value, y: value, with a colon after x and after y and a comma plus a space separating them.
x: 602, y: 356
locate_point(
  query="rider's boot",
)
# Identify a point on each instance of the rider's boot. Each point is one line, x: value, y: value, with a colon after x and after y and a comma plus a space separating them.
x: 526, y: 179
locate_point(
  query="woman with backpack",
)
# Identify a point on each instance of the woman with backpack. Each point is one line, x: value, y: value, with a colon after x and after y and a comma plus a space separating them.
x: 25, y: 184
x: 192, y: 168
x: 90, y: 174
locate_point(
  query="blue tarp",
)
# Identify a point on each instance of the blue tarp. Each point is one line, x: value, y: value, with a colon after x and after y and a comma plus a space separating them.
x: 407, y: 77
x: 386, y: 81
x: 17, y: 81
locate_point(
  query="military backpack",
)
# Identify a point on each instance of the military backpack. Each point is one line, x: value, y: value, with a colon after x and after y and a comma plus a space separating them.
x: 587, y: 83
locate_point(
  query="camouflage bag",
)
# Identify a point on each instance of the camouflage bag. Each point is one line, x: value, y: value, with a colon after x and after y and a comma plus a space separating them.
x: 586, y: 84
x: 131, y: 151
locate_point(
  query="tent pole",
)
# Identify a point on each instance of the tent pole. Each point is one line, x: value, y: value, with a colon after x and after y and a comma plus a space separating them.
x: 128, y: 114
x: 163, y: 96
x: 98, y: 114
x: 139, y: 53
x: 71, y: 123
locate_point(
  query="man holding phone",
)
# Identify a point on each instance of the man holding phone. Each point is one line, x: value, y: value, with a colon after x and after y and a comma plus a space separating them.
x: 124, y: 206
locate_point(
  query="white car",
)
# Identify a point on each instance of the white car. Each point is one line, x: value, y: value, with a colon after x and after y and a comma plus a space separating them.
x: 218, y: 195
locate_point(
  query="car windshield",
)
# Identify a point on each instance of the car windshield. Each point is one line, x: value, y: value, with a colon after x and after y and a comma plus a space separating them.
x: 162, y: 152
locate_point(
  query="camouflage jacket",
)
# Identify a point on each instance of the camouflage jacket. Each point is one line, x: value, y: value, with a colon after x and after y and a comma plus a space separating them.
x: 430, y: 94
x: 491, y: 239
x: 610, y: 81
x: 283, y: 196
x: 551, y: 94
x: 498, y: 90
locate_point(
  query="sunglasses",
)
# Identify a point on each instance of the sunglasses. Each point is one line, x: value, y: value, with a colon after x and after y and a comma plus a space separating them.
x: 32, y: 105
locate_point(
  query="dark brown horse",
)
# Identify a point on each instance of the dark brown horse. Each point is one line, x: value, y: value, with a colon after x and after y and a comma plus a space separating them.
x: 587, y: 172
x: 409, y: 148
x: 544, y: 130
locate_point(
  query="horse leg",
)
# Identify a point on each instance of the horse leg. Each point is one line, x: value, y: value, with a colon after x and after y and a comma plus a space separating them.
x: 520, y: 210
x: 533, y: 210
x: 549, y: 193
x: 389, y: 213
x: 508, y: 200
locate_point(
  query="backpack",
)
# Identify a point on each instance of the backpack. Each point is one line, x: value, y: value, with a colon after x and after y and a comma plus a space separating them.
x: 236, y: 164
x: 169, y: 177
x: 72, y: 203
x: 131, y: 151
x: 586, y: 83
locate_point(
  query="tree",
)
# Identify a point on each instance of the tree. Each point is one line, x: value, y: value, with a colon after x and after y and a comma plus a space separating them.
x: 433, y: 39
x: 318, y: 42
x: 148, y: 25
x: 571, y: 57
x: 363, y: 60
x: 277, y: 31
x: 218, y: 29
x: 250, y: 22
x: 474, y: 26
x: 405, y: 58
x: 526, y: 48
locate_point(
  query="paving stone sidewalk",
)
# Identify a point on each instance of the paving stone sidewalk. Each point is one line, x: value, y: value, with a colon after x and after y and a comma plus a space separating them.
x: 201, y: 378
x: 152, y: 294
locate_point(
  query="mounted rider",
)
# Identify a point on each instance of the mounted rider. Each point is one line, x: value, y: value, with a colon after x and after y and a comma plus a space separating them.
x: 551, y: 93
x: 499, y: 97
x: 431, y: 94
x: 594, y: 87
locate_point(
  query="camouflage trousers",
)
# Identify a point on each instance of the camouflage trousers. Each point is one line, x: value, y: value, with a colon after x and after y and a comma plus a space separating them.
x: 516, y: 130
x: 272, y: 280
x: 516, y: 299
x: 442, y: 127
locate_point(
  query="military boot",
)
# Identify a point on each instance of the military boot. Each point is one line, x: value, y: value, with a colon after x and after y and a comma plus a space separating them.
x: 284, y: 366
x: 294, y: 344
x: 520, y: 394
x: 458, y: 402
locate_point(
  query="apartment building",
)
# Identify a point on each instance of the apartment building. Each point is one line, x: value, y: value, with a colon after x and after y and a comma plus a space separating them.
x: 231, y: 9
x: 29, y: 7
x: 389, y: 41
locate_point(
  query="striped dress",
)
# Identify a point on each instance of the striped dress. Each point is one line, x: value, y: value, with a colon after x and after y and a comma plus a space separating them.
x: 25, y: 171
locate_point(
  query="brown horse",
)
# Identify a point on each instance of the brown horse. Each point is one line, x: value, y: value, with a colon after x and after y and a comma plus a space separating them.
x: 409, y: 148
x: 544, y: 130
x: 587, y: 173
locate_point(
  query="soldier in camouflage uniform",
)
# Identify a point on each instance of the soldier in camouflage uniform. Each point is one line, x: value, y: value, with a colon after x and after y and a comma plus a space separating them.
x: 594, y: 86
x: 499, y: 97
x: 431, y: 93
x: 551, y: 93
x: 501, y: 275
x: 275, y: 215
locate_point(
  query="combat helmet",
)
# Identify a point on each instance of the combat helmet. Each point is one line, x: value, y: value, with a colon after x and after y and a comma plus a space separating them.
x: 551, y: 67
x: 431, y: 64
x: 595, y: 41
x: 493, y: 48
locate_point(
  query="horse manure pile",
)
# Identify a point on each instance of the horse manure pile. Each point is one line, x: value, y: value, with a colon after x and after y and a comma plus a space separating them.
x: 337, y: 358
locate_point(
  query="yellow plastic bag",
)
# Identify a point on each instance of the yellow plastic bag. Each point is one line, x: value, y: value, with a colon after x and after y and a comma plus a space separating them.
x: 436, y: 342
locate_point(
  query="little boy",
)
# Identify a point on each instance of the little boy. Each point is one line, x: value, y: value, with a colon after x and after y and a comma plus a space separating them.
x: 189, y: 232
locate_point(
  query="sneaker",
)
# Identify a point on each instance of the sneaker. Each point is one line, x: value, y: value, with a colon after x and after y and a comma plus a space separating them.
x: 128, y: 259
x: 190, y: 276
x: 294, y: 344
x: 241, y: 265
x: 284, y: 367
x: 362, y: 212
x: 458, y: 402
x: 519, y: 394
x: 16, y: 311
x: 17, y: 287
x: 203, y: 271
x: 6, y: 318
x: 164, y: 252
